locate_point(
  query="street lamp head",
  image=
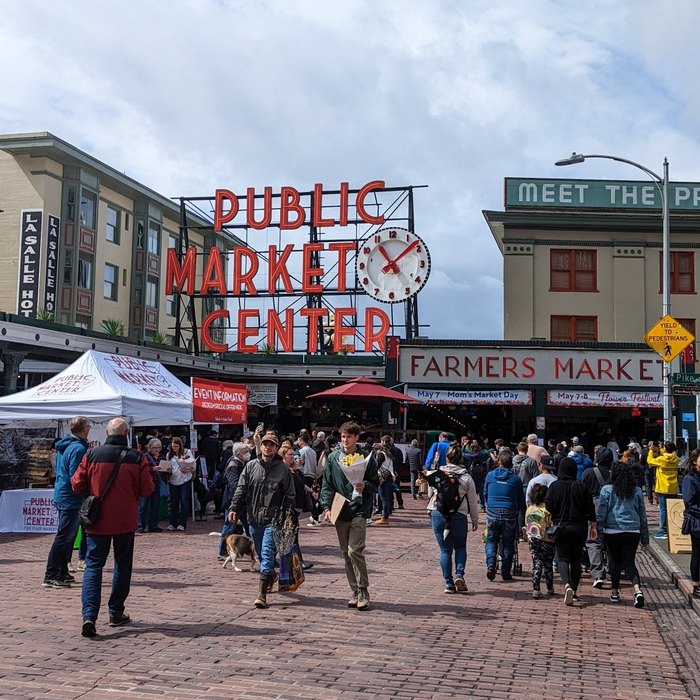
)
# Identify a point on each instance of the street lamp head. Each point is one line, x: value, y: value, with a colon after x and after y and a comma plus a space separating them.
x: 575, y: 158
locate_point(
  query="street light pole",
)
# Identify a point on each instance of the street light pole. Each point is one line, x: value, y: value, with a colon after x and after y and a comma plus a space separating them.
x: 662, y: 182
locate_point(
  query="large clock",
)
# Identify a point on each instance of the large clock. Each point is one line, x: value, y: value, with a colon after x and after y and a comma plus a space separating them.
x: 393, y: 264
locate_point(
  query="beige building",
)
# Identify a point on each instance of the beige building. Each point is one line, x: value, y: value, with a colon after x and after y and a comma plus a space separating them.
x: 582, y: 258
x: 92, y: 241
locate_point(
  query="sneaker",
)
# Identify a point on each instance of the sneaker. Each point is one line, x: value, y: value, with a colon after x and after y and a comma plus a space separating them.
x: 170, y: 528
x: 155, y: 529
x: 88, y: 629
x: 491, y: 573
x: 352, y: 603
x: 506, y: 579
x: 415, y: 497
x: 575, y: 597
x: 615, y: 597
x: 362, y: 599
x: 450, y: 588
x: 141, y: 530
x: 55, y: 583
x: 68, y: 577
x: 369, y: 521
x: 598, y: 583
x: 180, y: 528
x: 81, y: 565
x: 72, y: 567
x: 550, y: 591
x: 638, y: 599
x: 569, y: 596
x: 696, y: 591
x: 307, y: 566
x: 221, y: 557
x: 536, y: 594
x: 460, y: 585
x: 661, y: 535
x: 119, y: 620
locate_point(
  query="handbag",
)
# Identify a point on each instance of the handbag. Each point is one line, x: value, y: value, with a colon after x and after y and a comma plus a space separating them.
x: 291, y: 574
x: 554, y: 530
x: 91, y: 506
x: 687, y: 526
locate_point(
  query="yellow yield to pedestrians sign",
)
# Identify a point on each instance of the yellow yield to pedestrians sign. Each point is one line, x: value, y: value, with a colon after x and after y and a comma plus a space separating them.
x: 668, y: 338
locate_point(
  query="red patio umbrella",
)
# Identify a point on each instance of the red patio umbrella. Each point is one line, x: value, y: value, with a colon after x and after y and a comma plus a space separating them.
x: 363, y: 389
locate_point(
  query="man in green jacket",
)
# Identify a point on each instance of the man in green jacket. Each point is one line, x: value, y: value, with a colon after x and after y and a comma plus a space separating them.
x: 351, y: 523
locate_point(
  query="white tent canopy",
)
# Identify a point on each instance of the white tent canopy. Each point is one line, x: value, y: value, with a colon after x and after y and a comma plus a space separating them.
x: 101, y: 386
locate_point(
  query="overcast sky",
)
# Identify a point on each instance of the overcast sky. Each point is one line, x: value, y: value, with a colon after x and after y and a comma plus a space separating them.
x: 189, y: 95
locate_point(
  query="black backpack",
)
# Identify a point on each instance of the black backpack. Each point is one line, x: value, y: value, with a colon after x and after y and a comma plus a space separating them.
x: 447, y: 499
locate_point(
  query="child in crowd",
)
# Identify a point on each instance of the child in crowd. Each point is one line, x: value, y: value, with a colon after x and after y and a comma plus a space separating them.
x: 537, y: 521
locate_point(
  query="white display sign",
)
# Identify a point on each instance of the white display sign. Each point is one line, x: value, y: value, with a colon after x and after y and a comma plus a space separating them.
x: 28, y: 510
x: 606, y: 399
x: 487, y: 397
x: 262, y: 394
x: 525, y: 367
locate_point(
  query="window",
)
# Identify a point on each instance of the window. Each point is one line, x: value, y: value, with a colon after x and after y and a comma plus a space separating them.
x: 688, y: 355
x: 151, y: 294
x: 68, y: 267
x: 573, y: 271
x: 112, y: 226
x: 88, y: 208
x: 111, y: 279
x: 84, y: 273
x: 574, y: 328
x: 82, y: 321
x: 153, y: 238
x: 682, y: 273
x: 170, y: 305
x: 139, y: 235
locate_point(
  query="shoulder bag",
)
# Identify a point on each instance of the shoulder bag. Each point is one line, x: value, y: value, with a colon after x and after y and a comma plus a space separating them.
x: 90, y: 509
x: 554, y: 530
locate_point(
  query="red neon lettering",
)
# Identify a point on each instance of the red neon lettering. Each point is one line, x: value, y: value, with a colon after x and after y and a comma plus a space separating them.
x: 182, y: 277
x: 314, y: 315
x: 240, y: 277
x: 214, y: 274
x: 278, y: 269
x: 221, y: 217
x: 340, y: 332
x: 377, y: 337
x: 206, y: 335
x: 317, y: 214
x: 360, y: 202
x: 343, y: 249
x: 267, y: 209
x: 343, y: 205
x: 289, y: 202
x: 245, y: 332
x: 275, y: 329
x: 308, y: 272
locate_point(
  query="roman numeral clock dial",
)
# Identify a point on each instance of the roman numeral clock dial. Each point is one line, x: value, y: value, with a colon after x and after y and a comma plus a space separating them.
x: 393, y: 265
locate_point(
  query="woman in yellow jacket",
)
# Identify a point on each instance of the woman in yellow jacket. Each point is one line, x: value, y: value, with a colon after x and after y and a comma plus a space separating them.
x: 666, y: 482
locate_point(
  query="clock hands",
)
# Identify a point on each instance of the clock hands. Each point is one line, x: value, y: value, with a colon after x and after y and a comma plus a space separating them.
x: 391, y: 264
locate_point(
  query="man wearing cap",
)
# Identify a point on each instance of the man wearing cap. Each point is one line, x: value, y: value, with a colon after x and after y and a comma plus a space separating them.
x: 265, y: 486
x: 545, y: 477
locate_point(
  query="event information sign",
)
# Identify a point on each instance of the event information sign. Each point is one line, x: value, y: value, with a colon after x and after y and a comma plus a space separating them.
x: 219, y: 402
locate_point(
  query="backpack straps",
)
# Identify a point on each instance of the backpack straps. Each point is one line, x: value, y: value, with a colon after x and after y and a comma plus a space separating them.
x: 599, y: 476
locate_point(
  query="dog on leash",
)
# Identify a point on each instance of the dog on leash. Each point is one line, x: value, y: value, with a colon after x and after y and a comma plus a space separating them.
x: 238, y: 546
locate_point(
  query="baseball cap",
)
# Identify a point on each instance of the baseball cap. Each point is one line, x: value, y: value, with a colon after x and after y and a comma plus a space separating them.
x: 270, y: 438
x: 547, y: 461
x: 574, y: 439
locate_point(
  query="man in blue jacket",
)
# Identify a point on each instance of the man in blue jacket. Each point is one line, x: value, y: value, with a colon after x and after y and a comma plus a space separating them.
x: 69, y: 452
x: 437, y: 454
x: 504, y: 496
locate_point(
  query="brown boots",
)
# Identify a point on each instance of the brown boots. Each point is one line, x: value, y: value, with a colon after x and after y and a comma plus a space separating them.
x: 267, y: 581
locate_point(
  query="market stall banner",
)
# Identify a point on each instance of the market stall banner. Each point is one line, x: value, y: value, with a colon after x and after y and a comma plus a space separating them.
x: 219, y: 402
x: 503, y: 397
x: 28, y: 510
x: 606, y: 399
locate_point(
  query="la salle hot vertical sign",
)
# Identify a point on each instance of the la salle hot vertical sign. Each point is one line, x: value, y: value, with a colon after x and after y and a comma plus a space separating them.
x: 219, y: 402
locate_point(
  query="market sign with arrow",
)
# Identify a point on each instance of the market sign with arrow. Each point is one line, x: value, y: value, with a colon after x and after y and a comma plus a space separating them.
x: 668, y: 338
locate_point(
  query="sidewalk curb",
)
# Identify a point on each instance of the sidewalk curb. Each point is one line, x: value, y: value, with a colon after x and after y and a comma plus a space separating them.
x: 678, y: 577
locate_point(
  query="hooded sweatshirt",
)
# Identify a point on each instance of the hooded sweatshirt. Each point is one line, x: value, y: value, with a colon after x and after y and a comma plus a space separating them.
x: 69, y: 452
x: 504, y: 490
x: 666, y: 472
x: 567, y: 499
x: 589, y: 480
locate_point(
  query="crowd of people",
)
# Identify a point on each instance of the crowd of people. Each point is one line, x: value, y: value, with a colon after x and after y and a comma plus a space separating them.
x: 566, y: 503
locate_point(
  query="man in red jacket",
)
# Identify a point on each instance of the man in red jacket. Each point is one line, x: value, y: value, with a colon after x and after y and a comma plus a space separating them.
x: 117, y: 521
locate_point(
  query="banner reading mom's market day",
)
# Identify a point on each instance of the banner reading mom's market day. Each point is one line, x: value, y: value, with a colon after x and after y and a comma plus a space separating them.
x: 219, y: 402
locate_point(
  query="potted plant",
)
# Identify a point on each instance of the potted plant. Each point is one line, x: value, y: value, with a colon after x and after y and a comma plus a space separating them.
x: 114, y: 327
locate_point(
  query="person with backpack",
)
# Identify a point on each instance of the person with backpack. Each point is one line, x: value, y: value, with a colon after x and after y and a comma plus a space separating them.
x: 384, y: 465
x: 437, y: 454
x: 453, y: 500
x: 622, y: 517
x: 571, y: 507
x: 476, y: 460
x: 503, y: 493
x: 594, y: 478
x: 537, y: 522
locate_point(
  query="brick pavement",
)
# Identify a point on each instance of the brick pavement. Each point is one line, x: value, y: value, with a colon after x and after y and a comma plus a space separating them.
x: 196, y: 635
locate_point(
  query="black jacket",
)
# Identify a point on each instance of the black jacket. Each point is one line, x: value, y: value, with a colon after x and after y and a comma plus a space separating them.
x: 265, y: 487
x: 568, y: 501
x: 590, y: 480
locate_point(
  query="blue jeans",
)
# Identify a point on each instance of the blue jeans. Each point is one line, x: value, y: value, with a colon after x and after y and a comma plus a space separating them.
x: 179, y: 503
x: 264, y: 546
x: 386, y: 489
x: 662, y: 511
x: 502, y: 527
x: 148, y: 510
x: 62, y: 547
x: 228, y: 529
x: 455, y: 542
x: 97, y: 552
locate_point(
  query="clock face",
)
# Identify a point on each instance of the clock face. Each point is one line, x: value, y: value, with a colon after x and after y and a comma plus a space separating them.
x: 393, y: 264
